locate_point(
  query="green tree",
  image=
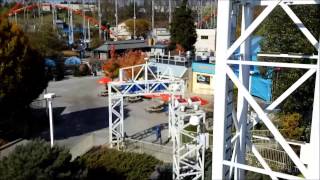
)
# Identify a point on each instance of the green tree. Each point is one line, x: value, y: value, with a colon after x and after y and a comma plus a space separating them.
x: 114, y: 164
x: 37, y: 160
x: 291, y: 126
x: 182, y: 29
x: 22, y: 73
x: 142, y: 27
x: 47, y: 41
x: 280, y: 34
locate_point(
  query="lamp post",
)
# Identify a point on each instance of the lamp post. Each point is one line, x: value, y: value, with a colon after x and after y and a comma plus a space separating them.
x: 49, y: 97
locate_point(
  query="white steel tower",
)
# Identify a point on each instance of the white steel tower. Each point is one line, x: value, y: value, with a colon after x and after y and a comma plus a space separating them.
x: 229, y: 150
x: 188, y: 147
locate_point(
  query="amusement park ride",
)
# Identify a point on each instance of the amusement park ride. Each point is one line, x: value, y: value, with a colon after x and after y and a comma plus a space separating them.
x: 145, y: 80
x: 229, y: 149
x: 87, y: 20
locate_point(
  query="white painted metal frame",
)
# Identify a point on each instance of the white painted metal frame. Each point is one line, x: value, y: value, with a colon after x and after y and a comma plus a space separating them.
x: 236, y: 163
x: 188, y: 157
x: 144, y: 82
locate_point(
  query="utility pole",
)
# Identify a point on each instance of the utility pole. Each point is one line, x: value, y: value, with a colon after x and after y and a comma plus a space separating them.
x: 71, y: 39
x: 134, y: 19
x: 170, y: 12
x: 201, y: 13
x: 84, y: 32
x: 152, y: 16
x: 39, y: 10
x: 24, y: 11
x: 53, y: 10
x: 99, y: 16
x: 89, y: 35
x: 116, y: 15
x: 15, y: 18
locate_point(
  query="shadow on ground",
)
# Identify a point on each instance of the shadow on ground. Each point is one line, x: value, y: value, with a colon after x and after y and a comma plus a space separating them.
x: 79, y: 122
x: 148, y: 132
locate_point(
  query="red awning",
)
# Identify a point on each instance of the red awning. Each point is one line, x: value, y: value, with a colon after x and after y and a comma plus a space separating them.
x: 163, y: 97
x: 197, y: 98
x: 104, y: 80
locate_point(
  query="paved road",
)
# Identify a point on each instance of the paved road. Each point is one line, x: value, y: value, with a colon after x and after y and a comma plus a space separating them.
x: 82, y: 116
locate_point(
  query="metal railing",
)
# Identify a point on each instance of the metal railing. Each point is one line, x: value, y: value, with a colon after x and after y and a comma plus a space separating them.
x: 276, y: 159
x: 168, y: 59
x: 161, y: 152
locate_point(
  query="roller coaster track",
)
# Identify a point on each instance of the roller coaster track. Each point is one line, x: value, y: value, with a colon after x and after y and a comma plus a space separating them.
x: 206, y: 19
x: 19, y: 8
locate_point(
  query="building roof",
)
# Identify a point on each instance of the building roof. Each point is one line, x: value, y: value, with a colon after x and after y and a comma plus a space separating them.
x: 160, y: 46
x: 167, y: 69
x: 122, y: 45
x: 203, y: 68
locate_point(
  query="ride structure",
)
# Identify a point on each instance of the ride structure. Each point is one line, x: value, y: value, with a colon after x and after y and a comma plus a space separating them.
x: 188, y: 147
x: 139, y: 80
x: 146, y: 80
x: 22, y: 8
x: 229, y: 150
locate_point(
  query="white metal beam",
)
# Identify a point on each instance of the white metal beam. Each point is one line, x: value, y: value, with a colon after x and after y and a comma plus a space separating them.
x: 249, y: 30
x: 278, y: 137
x: 242, y: 105
x: 314, y: 164
x: 291, y: 89
x: 262, y: 161
x: 223, y: 40
x: 293, y: 56
x: 300, y: 25
x: 274, y: 64
x: 289, y: 2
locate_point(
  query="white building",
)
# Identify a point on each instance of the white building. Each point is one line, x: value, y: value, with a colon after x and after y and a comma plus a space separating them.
x: 205, y: 40
x: 86, y: 7
x: 121, y: 32
x: 161, y: 34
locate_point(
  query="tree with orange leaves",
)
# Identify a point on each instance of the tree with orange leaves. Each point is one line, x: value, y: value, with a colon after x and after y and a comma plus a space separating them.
x: 131, y: 58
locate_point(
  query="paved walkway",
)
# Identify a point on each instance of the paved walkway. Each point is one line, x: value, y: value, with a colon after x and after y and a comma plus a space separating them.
x: 82, y: 116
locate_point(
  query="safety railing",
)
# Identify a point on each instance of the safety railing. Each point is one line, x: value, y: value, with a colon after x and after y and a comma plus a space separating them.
x: 168, y: 59
x: 161, y: 152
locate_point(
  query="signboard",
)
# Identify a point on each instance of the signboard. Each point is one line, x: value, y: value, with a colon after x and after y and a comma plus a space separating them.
x: 203, y: 79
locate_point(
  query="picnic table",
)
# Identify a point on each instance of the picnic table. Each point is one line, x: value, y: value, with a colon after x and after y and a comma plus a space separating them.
x: 134, y: 99
x: 155, y: 108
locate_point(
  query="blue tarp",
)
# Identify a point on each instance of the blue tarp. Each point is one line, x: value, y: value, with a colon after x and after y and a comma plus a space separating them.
x: 260, y: 87
x: 72, y: 61
x: 50, y: 62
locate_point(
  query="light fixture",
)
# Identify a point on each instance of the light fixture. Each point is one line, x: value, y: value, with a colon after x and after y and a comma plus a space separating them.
x: 194, y: 120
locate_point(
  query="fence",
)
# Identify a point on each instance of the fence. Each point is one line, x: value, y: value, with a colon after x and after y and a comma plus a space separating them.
x: 276, y: 159
x: 167, y: 59
x: 161, y: 152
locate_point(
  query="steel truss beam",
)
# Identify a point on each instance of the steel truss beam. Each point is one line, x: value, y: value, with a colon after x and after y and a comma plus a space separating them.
x: 224, y: 165
x: 144, y: 80
x: 188, y: 147
x: 288, y: 2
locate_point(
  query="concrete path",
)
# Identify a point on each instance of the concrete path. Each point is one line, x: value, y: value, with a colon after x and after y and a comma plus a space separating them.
x: 81, y: 116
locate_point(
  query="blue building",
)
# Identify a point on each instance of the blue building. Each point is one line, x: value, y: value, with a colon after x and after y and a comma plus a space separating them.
x: 203, y: 75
